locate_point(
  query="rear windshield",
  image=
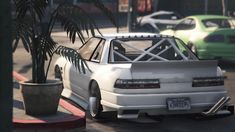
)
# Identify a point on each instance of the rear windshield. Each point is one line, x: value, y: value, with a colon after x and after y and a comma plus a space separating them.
x: 219, y: 23
x: 148, y: 49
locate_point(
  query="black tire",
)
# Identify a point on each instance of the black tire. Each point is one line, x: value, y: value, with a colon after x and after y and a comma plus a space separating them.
x: 57, y: 72
x: 95, y: 107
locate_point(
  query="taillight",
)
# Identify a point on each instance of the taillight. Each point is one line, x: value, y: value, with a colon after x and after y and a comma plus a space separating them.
x: 215, y: 38
x: 207, y: 81
x: 137, y: 83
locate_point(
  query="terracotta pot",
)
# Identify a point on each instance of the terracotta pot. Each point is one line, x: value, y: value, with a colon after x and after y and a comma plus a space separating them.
x: 41, y: 98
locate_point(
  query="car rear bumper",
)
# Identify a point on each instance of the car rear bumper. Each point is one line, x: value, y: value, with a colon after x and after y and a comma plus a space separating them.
x: 130, y: 105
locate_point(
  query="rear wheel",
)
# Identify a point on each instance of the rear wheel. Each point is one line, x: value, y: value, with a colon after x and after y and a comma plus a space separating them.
x: 57, y: 72
x: 95, y: 107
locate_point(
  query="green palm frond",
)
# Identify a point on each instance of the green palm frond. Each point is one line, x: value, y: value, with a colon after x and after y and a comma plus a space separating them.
x: 74, y: 57
x: 22, y: 31
x: 99, y: 4
x: 33, y: 29
x: 75, y: 21
x: 36, y: 8
x: 46, y: 46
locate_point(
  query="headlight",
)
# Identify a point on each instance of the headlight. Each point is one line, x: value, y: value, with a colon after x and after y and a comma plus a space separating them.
x: 137, y: 83
x: 208, y: 81
x: 215, y: 38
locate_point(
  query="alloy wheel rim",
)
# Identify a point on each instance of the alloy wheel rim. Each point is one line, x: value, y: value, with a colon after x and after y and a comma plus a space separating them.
x: 93, y: 106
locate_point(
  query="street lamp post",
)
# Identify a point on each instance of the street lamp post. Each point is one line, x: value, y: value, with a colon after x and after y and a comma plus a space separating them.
x: 155, y: 5
x: 206, y: 7
x: 224, y: 7
x: 129, y: 22
x: 117, y: 17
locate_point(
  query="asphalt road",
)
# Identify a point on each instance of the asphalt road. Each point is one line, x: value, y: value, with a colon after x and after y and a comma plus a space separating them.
x: 22, y: 64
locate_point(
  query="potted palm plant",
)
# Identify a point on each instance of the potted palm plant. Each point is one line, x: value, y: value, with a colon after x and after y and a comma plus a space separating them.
x: 33, y: 27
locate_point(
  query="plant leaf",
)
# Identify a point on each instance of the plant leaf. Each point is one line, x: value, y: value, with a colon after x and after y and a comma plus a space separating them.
x: 73, y: 57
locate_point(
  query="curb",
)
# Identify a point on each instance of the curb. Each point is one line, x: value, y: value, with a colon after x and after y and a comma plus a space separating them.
x: 77, y: 120
x: 19, y: 77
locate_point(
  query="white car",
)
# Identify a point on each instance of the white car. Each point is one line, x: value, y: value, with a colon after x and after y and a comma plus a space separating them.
x: 158, y: 21
x: 135, y: 73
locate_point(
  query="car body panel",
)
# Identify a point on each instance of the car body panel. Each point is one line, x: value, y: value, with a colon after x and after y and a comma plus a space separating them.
x: 159, y: 20
x: 175, y: 77
x: 197, y: 36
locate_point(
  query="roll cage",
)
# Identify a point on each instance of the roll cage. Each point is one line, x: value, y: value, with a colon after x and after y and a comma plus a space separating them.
x: 161, y: 49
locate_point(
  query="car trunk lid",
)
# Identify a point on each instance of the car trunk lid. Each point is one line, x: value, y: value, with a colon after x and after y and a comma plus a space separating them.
x: 174, y: 71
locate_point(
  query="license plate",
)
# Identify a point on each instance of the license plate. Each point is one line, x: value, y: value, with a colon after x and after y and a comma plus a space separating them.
x: 178, y: 104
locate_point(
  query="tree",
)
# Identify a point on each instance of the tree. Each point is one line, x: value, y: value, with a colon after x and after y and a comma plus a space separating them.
x: 35, y: 30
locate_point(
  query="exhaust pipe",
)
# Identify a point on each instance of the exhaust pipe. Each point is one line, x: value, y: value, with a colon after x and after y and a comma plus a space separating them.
x: 217, y: 106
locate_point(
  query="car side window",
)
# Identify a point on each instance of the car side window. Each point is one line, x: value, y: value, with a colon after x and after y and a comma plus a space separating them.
x: 155, y: 17
x: 98, y: 52
x: 165, y: 17
x: 186, y: 24
x: 174, y: 17
x: 87, y: 50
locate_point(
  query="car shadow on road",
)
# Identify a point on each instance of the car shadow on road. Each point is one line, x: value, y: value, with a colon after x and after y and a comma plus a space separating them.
x: 172, y: 123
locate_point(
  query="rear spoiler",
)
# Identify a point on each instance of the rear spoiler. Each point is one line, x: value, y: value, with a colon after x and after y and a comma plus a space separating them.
x: 202, y: 68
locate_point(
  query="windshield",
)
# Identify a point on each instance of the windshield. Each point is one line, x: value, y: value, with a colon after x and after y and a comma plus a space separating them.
x: 219, y: 23
x: 149, y: 49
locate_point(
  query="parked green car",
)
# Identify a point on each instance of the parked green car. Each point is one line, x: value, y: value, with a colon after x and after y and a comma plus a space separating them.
x: 208, y: 36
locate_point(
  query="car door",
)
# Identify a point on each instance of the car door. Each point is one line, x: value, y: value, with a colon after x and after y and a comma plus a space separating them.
x: 184, y: 29
x: 79, y: 82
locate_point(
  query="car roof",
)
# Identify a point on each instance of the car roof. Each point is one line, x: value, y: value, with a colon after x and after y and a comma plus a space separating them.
x: 202, y: 17
x: 128, y: 35
x: 163, y: 12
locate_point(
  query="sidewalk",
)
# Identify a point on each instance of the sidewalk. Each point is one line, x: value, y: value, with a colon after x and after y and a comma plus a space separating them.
x: 68, y: 118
